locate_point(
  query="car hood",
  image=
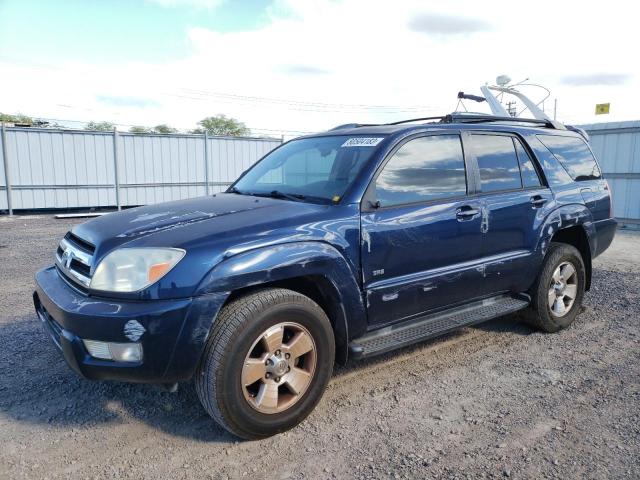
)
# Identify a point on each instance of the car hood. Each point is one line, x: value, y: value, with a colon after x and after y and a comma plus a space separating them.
x: 184, y: 223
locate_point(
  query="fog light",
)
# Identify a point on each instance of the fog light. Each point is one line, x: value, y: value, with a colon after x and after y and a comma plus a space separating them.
x: 120, y: 352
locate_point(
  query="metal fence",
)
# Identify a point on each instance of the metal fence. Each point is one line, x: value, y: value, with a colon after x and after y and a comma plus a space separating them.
x: 617, y: 147
x: 63, y: 169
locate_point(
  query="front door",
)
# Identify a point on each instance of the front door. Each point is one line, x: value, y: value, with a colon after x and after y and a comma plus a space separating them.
x: 421, y: 233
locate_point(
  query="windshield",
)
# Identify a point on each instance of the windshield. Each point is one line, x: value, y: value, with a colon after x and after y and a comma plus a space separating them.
x: 313, y: 169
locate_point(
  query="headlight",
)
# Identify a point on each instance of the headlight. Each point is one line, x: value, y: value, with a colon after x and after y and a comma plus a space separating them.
x: 132, y: 269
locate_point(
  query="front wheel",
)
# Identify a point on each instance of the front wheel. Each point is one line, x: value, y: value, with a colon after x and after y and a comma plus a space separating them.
x: 267, y: 363
x: 559, y: 289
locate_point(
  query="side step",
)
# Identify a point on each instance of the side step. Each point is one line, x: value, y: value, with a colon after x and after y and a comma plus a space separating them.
x: 429, y: 326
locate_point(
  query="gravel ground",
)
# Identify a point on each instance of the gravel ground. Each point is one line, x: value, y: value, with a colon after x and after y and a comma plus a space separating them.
x: 493, y: 401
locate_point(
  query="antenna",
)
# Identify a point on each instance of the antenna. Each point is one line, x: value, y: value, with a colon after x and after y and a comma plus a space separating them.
x: 502, y: 86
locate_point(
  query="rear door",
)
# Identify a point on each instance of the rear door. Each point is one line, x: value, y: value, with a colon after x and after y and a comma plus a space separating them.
x: 420, y: 231
x: 512, y: 197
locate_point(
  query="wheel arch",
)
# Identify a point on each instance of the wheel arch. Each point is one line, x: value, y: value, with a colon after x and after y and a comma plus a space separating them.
x: 314, y: 269
x: 571, y: 224
x: 577, y: 237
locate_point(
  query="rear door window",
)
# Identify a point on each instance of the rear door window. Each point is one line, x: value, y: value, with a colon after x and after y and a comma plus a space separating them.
x: 497, y: 161
x: 574, y: 155
x: 527, y: 170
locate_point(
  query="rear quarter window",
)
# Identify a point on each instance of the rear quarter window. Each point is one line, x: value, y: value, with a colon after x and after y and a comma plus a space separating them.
x: 574, y: 155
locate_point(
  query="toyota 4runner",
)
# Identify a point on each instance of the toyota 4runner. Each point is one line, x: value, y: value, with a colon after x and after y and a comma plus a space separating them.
x: 343, y: 244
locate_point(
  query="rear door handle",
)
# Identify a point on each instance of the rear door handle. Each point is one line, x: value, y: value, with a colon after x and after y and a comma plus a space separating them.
x: 466, y: 212
x: 538, y: 201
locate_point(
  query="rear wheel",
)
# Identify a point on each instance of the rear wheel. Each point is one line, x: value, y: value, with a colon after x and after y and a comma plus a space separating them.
x: 267, y: 363
x: 559, y: 289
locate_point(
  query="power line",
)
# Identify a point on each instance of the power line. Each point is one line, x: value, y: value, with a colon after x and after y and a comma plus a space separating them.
x: 198, y: 94
x: 299, y: 108
x: 358, y: 106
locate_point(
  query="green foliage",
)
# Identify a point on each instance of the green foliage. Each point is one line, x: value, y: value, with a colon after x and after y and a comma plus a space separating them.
x: 137, y: 129
x: 19, y: 118
x: 163, y: 128
x: 100, y: 126
x: 222, y: 125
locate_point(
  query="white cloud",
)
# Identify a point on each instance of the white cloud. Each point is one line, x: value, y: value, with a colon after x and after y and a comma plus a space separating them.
x: 437, y: 24
x: 352, y: 53
x: 203, y: 4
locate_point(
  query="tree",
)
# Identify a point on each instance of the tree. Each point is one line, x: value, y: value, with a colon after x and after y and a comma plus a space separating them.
x: 100, y: 126
x: 222, y: 125
x: 19, y: 118
x: 137, y: 129
x: 163, y: 128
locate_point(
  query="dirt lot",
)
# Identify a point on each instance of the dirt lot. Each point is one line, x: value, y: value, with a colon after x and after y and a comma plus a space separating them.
x: 494, y: 401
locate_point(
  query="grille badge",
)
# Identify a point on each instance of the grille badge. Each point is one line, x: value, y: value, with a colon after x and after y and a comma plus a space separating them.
x: 67, y: 258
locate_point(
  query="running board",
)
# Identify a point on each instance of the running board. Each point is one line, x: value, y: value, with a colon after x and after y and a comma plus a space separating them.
x: 429, y: 326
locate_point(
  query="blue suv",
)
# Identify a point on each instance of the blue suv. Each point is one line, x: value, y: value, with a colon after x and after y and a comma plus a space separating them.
x: 343, y: 244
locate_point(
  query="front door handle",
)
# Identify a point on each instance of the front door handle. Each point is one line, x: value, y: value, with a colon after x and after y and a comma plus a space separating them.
x: 538, y: 201
x: 466, y: 212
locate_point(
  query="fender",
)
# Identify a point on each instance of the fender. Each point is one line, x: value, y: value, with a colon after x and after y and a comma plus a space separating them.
x: 293, y: 260
x: 565, y: 216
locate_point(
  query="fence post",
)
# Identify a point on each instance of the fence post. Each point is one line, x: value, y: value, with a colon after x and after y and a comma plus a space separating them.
x: 115, y: 167
x: 7, y: 177
x: 206, y: 163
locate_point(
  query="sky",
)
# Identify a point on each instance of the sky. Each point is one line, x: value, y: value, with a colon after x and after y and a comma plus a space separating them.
x: 290, y: 67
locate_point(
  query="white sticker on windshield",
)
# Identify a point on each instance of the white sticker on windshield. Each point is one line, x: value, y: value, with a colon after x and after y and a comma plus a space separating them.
x: 363, y: 142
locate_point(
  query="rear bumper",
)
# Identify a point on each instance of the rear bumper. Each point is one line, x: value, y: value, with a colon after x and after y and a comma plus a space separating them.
x: 605, y: 230
x: 173, y: 340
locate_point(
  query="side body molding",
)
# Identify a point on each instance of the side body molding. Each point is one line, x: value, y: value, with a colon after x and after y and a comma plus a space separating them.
x: 293, y: 260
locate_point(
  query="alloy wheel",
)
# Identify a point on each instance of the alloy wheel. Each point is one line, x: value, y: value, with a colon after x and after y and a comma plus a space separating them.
x: 563, y: 289
x: 279, y: 367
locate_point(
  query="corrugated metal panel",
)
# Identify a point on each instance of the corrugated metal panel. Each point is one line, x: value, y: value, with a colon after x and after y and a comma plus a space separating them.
x: 57, y: 169
x: 3, y: 185
x: 228, y: 158
x: 159, y: 168
x: 617, y: 147
x: 75, y: 169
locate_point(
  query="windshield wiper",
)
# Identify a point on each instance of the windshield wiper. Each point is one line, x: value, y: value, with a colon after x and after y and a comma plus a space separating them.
x: 290, y: 196
x: 296, y: 197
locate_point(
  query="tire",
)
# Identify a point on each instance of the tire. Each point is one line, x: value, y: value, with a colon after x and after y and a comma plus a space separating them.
x: 241, y: 338
x: 540, y: 314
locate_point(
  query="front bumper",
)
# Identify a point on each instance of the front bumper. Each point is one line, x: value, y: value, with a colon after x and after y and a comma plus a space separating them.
x: 173, y: 341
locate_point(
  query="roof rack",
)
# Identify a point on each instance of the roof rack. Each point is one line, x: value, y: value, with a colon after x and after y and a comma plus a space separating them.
x: 482, y: 118
x: 465, y: 118
x: 353, y: 125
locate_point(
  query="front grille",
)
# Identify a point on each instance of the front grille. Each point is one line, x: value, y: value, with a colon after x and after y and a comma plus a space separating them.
x: 79, y: 242
x: 74, y: 258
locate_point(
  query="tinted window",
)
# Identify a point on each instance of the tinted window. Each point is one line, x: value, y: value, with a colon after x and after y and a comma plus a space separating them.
x: 426, y: 168
x: 527, y: 170
x: 574, y: 155
x: 497, y: 161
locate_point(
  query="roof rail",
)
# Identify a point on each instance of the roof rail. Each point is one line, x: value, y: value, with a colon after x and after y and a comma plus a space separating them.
x: 353, y: 125
x: 441, y: 118
x: 481, y: 118
x: 465, y: 118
